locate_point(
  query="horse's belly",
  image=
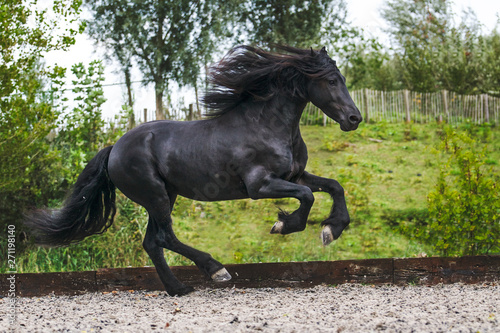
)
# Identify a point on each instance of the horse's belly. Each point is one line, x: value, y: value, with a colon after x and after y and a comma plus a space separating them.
x: 214, y: 187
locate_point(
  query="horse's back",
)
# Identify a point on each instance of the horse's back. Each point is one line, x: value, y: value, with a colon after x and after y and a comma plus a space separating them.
x: 180, y: 156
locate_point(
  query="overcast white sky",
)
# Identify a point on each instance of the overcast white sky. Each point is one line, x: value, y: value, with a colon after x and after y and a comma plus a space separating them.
x: 363, y: 13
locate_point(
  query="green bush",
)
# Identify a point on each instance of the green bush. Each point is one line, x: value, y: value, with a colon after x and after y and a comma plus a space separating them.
x: 464, y: 206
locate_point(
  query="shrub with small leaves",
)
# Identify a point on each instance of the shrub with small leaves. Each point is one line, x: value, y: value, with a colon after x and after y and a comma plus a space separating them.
x: 464, y: 206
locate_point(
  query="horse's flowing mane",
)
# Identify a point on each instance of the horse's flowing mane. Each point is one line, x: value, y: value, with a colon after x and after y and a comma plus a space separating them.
x: 251, y: 73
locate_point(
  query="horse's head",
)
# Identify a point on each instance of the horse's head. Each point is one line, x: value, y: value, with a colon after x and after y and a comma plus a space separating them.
x: 329, y: 93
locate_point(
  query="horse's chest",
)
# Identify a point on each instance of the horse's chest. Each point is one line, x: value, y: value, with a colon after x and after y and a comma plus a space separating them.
x: 299, y: 160
x: 296, y: 163
x: 295, y: 171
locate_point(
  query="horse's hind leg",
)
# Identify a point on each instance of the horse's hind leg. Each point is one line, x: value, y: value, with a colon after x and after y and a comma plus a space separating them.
x: 149, y: 190
x: 161, y: 235
x: 155, y: 252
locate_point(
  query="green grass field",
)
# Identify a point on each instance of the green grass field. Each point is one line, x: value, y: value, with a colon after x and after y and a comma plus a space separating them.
x: 385, y: 169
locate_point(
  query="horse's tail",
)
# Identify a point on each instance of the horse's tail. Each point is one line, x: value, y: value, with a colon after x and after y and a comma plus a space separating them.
x: 90, y: 208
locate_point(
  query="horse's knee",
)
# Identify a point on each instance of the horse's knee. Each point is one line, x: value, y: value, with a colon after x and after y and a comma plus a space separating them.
x: 335, y: 189
x: 307, y: 196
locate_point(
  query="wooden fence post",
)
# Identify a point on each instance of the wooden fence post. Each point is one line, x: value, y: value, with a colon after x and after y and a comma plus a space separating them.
x: 444, y: 97
x: 365, y: 104
x: 145, y: 115
x: 191, y: 114
x: 486, y: 109
x: 407, y: 105
x: 131, y: 120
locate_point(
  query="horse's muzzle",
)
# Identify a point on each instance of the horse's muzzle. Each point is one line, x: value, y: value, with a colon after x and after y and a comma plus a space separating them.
x: 352, y: 122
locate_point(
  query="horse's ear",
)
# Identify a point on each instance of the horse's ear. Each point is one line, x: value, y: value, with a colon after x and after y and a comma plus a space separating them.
x: 312, y: 52
x: 323, y: 50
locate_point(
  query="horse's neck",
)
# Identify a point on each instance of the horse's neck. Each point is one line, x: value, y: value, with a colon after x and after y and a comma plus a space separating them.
x: 282, y: 113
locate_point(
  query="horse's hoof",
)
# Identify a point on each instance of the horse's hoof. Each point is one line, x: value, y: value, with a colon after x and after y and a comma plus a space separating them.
x: 327, y: 235
x: 222, y: 275
x: 277, y: 227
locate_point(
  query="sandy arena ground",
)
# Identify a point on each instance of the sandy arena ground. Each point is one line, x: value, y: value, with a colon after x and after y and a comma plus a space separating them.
x: 344, y: 308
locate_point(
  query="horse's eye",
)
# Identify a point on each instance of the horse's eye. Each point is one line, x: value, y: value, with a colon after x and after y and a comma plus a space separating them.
x: 332, y: 82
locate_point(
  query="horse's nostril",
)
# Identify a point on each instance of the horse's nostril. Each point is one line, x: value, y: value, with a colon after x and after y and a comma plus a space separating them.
x: 354, y: 119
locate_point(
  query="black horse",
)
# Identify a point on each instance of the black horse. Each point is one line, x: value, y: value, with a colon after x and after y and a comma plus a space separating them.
x: 249, y: 147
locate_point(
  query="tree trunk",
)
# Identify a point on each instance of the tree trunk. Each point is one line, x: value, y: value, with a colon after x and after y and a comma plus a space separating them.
x: 191, y: 112
x: 160, y: 115
x: 197, y: 101
x: 128, y: 82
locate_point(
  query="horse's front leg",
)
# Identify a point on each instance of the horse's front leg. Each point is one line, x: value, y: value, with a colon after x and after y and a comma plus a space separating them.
x: 265, y: 186
x: 338, y: 219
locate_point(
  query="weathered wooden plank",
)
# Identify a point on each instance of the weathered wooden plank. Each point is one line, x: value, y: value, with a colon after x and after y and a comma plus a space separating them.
x: 108, y: 279
x: 296, y: 274
x: 274, y: 274
x: 370, y: 271
x: 146, y: 278
x: 37, y: 284
x: 430, y: 271
x: 256, y: 275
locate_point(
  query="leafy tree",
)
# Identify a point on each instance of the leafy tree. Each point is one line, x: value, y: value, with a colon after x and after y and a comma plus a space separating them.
x: 492, y: 63
x: 81, y: 130
x: 299, y: 23
x: 85, y: 123
x: 437, y: 54
x: 461, y: 68
x: 367, y: 65
x: 418, y: 28
x: 27, y: 114
x: 462, y: 57
x: 116, y: 48
x: 26, y: 33
x: 167, y: 39
x: 413, y: 21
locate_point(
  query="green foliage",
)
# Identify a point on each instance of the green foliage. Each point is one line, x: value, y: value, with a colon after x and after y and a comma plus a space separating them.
x: 41, y: 151
x: 120, y: 245
x: 84, y: 124
x: 430, y: 52
x: 418, y: 28
x: 27, y: 114
x: 463, y: 66
x: 26, y: 33
x: 297, y: 23
x: 334, y: 145
x: 492, y: 62
x: 368, y: 65
x: 465, y: 203
x: 81, y: 131
x: 464, y: 206
x: 24, y: 152
x: 168, y: 40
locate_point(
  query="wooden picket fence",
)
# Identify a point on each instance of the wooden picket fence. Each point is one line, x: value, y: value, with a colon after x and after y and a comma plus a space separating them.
x: 391, y: 107
x: 412, y: 106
